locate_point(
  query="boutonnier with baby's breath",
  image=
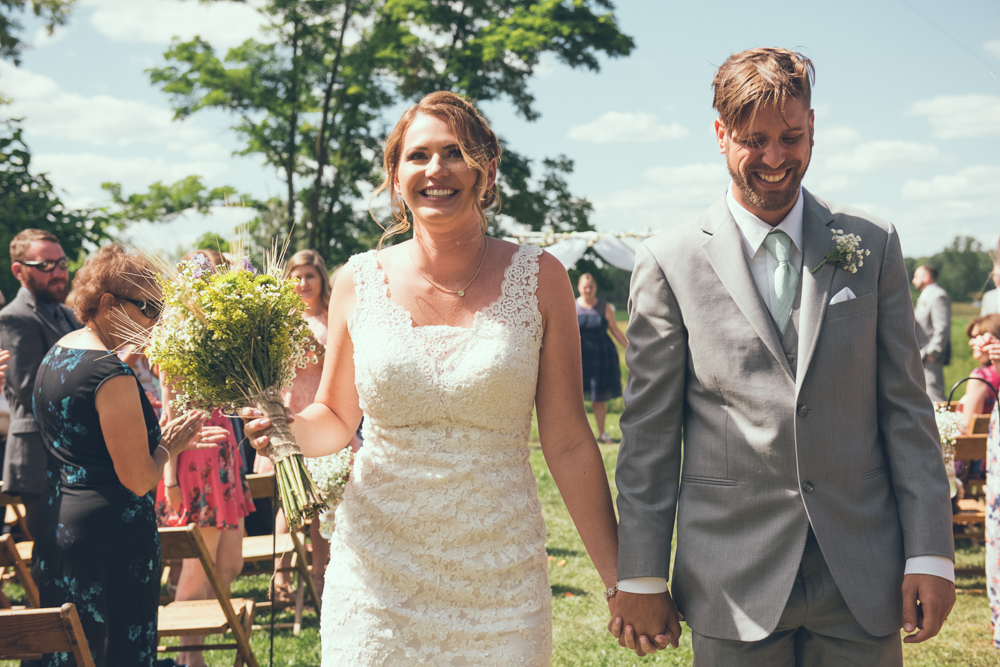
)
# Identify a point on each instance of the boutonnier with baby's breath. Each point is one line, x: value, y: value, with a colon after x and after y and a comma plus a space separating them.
x: 949, y: 425
x: 231, y: 337
x: 846, y: 254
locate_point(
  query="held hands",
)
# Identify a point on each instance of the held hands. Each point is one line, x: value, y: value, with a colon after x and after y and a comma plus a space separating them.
x: 936, y: 597
x: 255, y: 425
x: 636, y: 617
x: 987, y: 343
x: 189, y: 432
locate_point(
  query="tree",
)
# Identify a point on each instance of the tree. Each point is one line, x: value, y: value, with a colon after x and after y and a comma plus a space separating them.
x: 29, y: 200
x: 54, y: 12
x: 311, y: 101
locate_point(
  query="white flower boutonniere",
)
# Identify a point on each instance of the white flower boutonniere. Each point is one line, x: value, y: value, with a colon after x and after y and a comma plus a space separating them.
x: 846, y: 254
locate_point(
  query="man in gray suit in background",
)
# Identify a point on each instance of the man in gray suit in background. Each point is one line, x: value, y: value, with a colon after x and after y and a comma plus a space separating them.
x: 771, y: 347
x: 933, y: 316
x: 29, y: 327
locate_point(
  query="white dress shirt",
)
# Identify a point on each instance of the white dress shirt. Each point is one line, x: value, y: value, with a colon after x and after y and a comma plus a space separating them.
x: 762, y: 267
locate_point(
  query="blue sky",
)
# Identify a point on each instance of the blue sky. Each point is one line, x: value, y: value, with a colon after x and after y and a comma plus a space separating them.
x: 907, y: 99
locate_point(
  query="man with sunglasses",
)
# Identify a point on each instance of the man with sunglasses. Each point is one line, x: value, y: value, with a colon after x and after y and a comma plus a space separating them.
x: 35, y: 319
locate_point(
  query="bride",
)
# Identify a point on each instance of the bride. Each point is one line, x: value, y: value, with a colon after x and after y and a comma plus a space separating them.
x: 445, y: 343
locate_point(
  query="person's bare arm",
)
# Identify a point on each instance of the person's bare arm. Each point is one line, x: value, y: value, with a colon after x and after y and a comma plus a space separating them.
x: 616, y: 332
x: 567, y: 440
x: 124, y: 428
x: 974, y: 402
x: 329, y: 424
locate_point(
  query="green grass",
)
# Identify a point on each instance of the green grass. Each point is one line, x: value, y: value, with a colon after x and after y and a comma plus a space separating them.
x: 580, y: 638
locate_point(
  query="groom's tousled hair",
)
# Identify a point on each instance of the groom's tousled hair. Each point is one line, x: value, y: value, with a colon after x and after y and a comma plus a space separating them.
x: 753, y: 79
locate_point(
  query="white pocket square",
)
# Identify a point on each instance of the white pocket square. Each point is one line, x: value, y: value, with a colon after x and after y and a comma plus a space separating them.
x: 843, y: 295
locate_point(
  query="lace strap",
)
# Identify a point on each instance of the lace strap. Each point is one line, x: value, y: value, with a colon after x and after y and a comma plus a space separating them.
x: 518, y: 302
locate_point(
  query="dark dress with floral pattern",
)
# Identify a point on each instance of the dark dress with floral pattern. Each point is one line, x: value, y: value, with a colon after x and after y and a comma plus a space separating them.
x: 97, y: 545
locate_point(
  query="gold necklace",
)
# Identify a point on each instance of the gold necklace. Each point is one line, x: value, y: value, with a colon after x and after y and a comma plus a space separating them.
x: 460, y: 292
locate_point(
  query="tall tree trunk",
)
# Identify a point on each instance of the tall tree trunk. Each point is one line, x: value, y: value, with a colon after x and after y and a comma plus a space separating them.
x: 293, y: 122
x: 321, y: 152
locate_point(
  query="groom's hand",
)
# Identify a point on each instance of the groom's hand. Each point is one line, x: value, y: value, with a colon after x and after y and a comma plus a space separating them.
x: 645, y: 623
x: 936, y: 596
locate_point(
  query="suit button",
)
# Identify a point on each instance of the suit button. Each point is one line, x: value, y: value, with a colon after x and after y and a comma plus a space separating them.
x: 803, y: 411
x: 791, y: 359
x: 807, y: 486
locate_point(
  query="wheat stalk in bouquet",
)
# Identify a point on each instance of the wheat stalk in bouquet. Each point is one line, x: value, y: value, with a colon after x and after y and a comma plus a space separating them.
x: 230, y: 337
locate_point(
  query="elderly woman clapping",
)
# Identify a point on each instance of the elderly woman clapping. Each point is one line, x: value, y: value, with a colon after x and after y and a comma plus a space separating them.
x: 98, y: 546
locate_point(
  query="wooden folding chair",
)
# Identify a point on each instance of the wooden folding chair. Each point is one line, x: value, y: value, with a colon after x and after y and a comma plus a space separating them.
x: 12, y: 512
x: 971, y: 515
x: 262, y: 548
x: 25, y: 634
x: 204, y: 617
x: 10, y: 560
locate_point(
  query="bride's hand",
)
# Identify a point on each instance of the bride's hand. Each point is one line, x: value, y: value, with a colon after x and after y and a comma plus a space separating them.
x: 255, y: 426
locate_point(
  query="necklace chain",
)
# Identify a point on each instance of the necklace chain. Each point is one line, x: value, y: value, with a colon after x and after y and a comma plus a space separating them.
x: 460, y: 292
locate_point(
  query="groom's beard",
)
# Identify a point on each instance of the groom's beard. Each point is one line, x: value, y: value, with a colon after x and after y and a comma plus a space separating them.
x: 768, y: 200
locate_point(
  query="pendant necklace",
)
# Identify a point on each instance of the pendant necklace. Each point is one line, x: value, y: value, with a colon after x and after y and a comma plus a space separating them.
x: 460, y: 292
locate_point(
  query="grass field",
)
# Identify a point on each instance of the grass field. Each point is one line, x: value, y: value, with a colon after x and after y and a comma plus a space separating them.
x: 579, y: 611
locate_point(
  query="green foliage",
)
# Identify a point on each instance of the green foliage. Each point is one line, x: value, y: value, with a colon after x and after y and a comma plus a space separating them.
x: 212, y: 241
x: 29, y: 200
x: 312, y: 102
x: 54, y: 12
x: 963, y: 268
x: 165, y: 202
x: 228, y: 335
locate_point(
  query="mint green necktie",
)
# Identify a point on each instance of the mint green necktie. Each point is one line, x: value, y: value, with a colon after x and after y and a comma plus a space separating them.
x: 786, y: 278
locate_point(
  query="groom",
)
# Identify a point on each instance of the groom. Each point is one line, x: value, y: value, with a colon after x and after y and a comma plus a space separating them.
x: 812, y: 507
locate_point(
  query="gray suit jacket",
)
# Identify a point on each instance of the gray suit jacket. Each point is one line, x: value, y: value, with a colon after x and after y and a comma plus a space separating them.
x: 847, y: 444
x: 933, y: 316
x: 28, y: 332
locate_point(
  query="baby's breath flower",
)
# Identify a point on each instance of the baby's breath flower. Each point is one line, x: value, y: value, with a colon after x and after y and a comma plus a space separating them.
x: 846, y: 252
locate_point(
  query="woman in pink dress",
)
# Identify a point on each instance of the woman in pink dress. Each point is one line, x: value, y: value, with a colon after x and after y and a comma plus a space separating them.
x: 205, y: 487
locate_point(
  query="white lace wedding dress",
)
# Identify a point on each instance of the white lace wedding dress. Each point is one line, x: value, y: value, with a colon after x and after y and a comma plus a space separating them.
x: 439, y: 553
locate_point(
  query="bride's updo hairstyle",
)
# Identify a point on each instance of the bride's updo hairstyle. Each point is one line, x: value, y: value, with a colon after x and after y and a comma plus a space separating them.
x: 476, y: 140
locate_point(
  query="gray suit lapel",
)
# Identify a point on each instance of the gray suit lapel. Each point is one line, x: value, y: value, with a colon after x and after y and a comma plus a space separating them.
x: 818, y: 241
x: 724, y: 249
x: 43, y: 316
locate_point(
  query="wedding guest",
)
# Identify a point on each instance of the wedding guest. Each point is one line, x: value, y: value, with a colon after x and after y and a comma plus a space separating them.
x: 991, y: 299
x: 29, y: 326
x: 445, y: 343
x: 97, y: 545
x: 978, y: 398
x: 989, y: 344
x: 933, y: 328
x: 206, y: 488
x: 602, y: 374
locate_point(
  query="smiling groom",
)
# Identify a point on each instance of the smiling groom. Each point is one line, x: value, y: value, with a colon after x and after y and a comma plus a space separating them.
x: 812, y: 507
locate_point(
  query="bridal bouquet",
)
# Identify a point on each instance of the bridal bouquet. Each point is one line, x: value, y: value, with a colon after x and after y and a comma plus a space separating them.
x: 949, y: 425
x: 231, y: 337
x: 331, y: 474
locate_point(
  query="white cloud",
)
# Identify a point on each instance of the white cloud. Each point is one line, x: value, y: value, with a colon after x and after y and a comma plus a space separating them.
x: 223, y: 24
x: 993, y: 47
x: 99, y: 120
x: 666, y: 196
x: 618, y: 126
x: 886, y: 154
x: 43, y: 38
x: 965, y: 185
x: 80, y: 174
x: 961, y: 116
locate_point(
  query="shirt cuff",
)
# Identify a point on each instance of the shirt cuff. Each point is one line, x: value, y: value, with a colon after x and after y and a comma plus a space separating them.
x: 644, y: 585
x: 935, y: 565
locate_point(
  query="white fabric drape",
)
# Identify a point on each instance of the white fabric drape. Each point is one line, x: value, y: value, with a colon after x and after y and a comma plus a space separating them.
x: 613, y: 250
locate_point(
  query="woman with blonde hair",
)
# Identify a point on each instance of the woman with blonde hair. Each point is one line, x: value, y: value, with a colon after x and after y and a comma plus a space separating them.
x: 445, y: 343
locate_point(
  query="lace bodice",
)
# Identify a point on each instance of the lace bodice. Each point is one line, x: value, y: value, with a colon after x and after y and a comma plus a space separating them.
x: 439, y: 545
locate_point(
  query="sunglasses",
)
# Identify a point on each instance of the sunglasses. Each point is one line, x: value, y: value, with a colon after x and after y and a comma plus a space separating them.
x: 148, y: 307
x: 48, y: 265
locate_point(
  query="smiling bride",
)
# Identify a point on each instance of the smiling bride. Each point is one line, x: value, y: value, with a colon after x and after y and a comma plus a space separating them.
x: 445, y: 343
